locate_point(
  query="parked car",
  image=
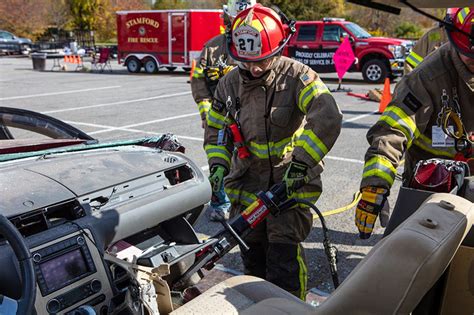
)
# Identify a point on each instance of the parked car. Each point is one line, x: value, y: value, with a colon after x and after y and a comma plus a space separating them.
x: 315, y: 43
x: 10, y: 43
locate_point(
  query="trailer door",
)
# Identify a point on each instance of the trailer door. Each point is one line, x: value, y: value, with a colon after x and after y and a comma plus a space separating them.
x: 177, y: 37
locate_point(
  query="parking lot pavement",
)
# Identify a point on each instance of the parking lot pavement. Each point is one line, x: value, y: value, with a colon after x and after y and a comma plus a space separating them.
x: 122, y: 105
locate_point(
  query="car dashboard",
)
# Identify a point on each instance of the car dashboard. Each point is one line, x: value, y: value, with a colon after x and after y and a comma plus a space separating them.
x: 73, y: 207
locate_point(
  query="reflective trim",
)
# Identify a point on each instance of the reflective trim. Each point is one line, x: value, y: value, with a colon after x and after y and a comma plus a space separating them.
x: 312, y: 145
x: 313, y: 89
x: 204, y: 106
x: 215, y: 119
x: 311, y: 196
x: 425, y: 143
x: 217, y: 151
x: 198, y: 73
x: 396, y: 118
x: 380, y: 167
x: 462, y: 14
x: 414, y: 59
x: 237, y: 196
x: 302, y: 274
x: 278, y: 149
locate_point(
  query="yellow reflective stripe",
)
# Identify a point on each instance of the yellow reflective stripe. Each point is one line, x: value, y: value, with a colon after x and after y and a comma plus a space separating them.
x: 309, y: 92
x: 414, y: 59
x: 380, y: 167
x: 240, y: 196
x: 424, y: 143
x: 312, y: 145
x: 462, y: 14
x: 198, y: 73
x: 311, y: 196
x: 395, y: 117
x: 203, y: 106
x: 217, y: 151
x: 257, y: 25
x: 216, y: 120
x: 237, y: 23
x: 303, y: 273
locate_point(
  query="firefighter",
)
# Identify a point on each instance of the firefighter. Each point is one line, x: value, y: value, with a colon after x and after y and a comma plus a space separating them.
x: 429, y: 42
x: 431, y: 116
x: 287, y: 121
x: 214, y: 63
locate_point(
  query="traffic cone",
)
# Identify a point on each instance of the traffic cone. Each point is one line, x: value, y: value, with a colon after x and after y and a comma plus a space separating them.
x: 193, y: 66
x: 386, y: 96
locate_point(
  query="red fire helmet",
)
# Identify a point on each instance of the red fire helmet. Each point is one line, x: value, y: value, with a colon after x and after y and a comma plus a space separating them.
x: 463, y: 20
x: 256, y: 34
x: 451, y: 11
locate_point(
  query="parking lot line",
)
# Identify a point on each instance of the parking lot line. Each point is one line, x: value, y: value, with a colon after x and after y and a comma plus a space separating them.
x: 110, y: 128
x: 117, y: 103
x: 59, y: 93
x: 359, y: 117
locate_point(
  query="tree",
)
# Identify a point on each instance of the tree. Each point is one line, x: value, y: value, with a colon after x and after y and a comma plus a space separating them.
x: 28, y: 18
x: 106, y: 24
x: 308, y: 9
x: 85, y: 13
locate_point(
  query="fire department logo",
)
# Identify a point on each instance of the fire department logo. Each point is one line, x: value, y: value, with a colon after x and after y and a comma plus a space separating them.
x: 247, y: 41
x: 142, y: 31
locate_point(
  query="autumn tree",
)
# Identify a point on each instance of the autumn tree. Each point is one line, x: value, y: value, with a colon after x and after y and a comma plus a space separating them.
x: 106, y: 26
x: 28, y: 18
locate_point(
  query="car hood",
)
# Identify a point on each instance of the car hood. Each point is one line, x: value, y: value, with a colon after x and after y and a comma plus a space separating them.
x: 23, y: 40
x: 385, y: 41
x: 37, y: 182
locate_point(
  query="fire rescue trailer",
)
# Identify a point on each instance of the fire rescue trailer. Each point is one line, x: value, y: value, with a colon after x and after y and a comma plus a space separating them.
x: 164, y: 38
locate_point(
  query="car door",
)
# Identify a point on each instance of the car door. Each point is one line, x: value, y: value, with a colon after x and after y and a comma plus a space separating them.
x: 305, y: 44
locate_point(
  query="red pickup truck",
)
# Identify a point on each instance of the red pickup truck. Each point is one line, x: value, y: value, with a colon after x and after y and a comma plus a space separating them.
x: 315, y: 43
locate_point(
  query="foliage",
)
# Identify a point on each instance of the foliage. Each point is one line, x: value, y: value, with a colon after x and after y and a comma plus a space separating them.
x: 24, y: 18
x: 86, y: 13
x: 308, y: 9
x: 408, y: 30
x: 30, y: 18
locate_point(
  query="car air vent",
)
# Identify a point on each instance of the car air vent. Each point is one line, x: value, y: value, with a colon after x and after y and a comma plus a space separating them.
x: 179, y: 175
x: 42, y: 219
x: 170, y: 159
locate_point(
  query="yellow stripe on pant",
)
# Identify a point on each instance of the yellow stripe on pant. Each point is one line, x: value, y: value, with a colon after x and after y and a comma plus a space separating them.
x: 303, y: 273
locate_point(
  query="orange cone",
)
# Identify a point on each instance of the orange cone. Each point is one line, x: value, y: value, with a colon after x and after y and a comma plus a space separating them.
x: 66, y: 59
x: 193, y: 66
x: 386, y: 96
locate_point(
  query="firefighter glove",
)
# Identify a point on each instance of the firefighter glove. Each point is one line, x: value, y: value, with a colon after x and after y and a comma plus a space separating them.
x: 372, y: 203
x: 216, y: 177
x: 215, y: 73
x: 295, y: 176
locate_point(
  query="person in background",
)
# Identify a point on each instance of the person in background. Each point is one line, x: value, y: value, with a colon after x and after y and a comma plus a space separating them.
x: 429, y: 42
x: 213, y: 64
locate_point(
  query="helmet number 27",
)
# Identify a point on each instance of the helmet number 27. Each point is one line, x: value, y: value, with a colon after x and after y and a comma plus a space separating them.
x: 243, y: 44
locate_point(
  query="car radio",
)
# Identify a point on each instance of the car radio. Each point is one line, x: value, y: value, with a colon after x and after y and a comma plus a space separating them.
x: 62, y: 263
x: 70, y: 272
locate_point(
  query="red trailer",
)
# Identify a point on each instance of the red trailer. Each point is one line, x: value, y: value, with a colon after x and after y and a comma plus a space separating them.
x: 164, y: 38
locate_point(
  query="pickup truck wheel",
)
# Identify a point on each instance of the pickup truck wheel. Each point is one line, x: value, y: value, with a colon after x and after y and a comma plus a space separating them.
x: 134, y: 65
x: 374, y: 71
x: 150, y: 66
